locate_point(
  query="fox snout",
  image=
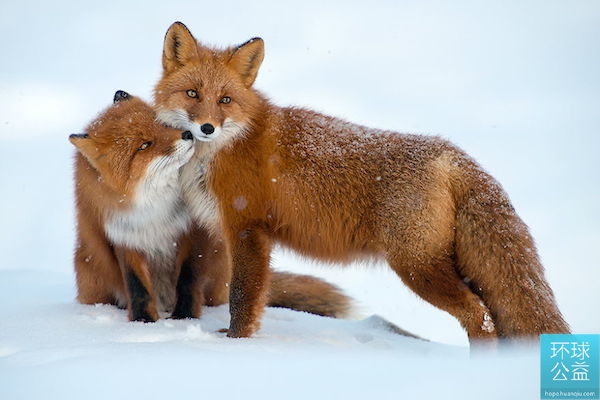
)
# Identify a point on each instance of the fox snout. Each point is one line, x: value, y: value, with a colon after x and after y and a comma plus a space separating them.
x: 75, y: 136
x: 187, y: 135
x: 204, y: 131
x: 180, y: 119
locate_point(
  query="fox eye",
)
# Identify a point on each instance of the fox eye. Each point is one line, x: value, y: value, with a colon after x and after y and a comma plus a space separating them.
x: 145, y: 145
x: 225, y: 100
x: 192, y: 93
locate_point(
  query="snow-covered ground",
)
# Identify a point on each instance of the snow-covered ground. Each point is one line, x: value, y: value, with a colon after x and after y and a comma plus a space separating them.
x: 515, y: 83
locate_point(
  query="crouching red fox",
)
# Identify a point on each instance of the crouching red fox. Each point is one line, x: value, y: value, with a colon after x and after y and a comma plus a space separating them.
x: 137, y: 246
x: 337, y: 191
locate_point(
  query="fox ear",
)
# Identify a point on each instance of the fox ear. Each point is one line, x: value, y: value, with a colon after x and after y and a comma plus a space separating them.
x: 179, y: 48
x: 246, y: 60
x: 120, y: 95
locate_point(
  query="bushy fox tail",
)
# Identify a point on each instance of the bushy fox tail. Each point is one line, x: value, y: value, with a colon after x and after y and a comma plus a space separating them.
x: 498, y: 259
x: 307, y: 293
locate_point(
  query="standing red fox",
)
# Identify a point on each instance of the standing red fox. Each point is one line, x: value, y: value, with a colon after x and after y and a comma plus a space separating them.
x: 338, y: 191
x: 136, y: 244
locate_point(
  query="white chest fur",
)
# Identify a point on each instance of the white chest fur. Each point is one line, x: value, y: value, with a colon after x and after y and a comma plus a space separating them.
x: 199, y: 200
x: 156, y: 218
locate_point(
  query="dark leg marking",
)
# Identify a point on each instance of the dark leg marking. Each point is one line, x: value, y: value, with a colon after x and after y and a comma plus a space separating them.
x: 186, y: 289
x: 139, y: 298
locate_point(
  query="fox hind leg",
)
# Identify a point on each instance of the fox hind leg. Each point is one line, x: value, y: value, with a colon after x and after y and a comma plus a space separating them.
x: 436, y: 281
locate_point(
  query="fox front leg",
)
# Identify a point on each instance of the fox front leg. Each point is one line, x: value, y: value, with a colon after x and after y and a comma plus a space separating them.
x: 249, y: 285
x: 140, y: 294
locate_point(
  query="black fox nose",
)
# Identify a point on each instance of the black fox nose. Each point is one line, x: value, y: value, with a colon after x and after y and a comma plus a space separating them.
x: 207, y: 129
x: 187, y: 135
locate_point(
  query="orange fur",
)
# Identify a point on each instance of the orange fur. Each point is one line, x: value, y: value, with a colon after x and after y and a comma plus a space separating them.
x: 338, y: 191
x: 136, y: 245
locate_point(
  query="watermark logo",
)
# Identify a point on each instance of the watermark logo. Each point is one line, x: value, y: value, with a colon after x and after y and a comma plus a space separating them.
x: 569, y: 366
